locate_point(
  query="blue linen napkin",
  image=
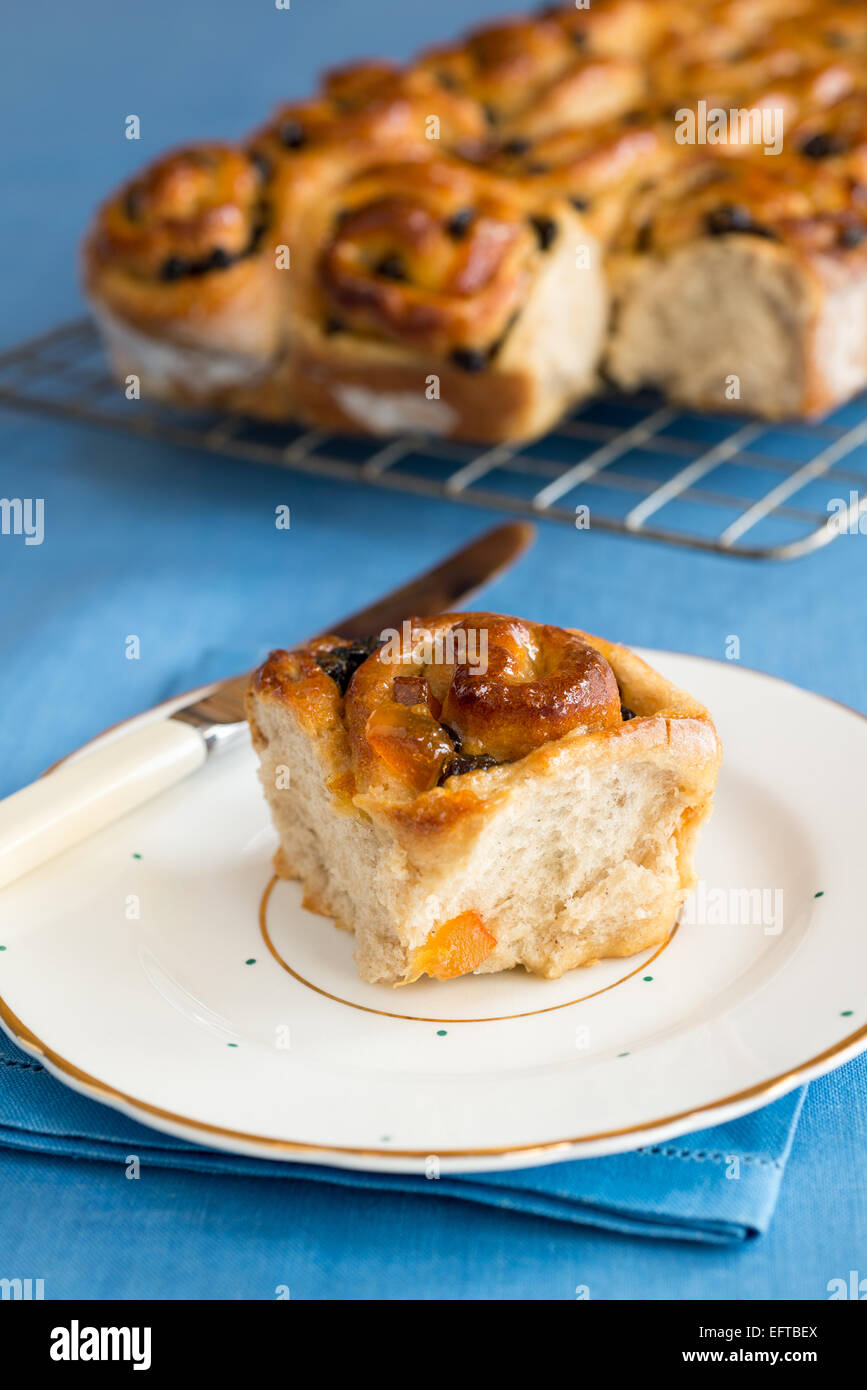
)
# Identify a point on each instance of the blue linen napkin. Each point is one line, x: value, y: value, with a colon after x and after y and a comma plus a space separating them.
x: 717, y: 1186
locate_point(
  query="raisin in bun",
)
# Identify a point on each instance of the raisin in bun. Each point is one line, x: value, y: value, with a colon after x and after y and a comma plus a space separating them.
x: 439, y: 297
x: 715, y: 196
x: 179, y: 268
x: 835, y: 139
x: 809, y: 207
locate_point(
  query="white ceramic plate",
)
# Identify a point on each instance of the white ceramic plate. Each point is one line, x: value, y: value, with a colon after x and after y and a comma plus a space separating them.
x: 137, y: 967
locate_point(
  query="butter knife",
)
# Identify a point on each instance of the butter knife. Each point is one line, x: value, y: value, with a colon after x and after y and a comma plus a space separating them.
x: 91, y: 790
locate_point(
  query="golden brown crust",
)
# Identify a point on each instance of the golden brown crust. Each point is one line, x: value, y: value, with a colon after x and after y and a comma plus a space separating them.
x: 294, y: 677
x: 487, y: 686
x: 185, y: 207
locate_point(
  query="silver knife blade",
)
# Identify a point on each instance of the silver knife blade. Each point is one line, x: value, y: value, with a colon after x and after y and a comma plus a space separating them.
x: 439, y: 590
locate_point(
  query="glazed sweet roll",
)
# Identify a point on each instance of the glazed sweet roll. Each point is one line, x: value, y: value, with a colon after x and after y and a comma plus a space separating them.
x: 437, y: 297
x: 477, y: 792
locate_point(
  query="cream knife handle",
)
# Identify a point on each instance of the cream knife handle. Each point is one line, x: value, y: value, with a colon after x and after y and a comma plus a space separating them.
x: 86, y: 793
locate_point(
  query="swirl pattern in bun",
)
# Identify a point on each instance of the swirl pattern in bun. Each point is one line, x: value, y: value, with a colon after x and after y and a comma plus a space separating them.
x: 476, y: 792
x: 459, y: 689
x: 430, y: 254
x: 179, y: 266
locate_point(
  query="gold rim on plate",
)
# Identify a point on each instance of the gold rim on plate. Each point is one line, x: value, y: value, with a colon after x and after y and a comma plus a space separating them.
x: 420, y: 1018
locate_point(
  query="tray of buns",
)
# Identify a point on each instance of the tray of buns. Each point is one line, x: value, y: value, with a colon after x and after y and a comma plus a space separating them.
x: 432, y: 274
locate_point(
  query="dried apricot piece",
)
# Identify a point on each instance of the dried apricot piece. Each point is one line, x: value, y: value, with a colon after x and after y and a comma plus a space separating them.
x: 409, y: 743
x: 455, y: 947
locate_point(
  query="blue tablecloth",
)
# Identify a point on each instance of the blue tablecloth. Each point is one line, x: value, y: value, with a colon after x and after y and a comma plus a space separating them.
x: 182, y: 551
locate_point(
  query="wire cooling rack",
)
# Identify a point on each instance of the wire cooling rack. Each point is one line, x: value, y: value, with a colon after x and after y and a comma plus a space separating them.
x: 628, y: 464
